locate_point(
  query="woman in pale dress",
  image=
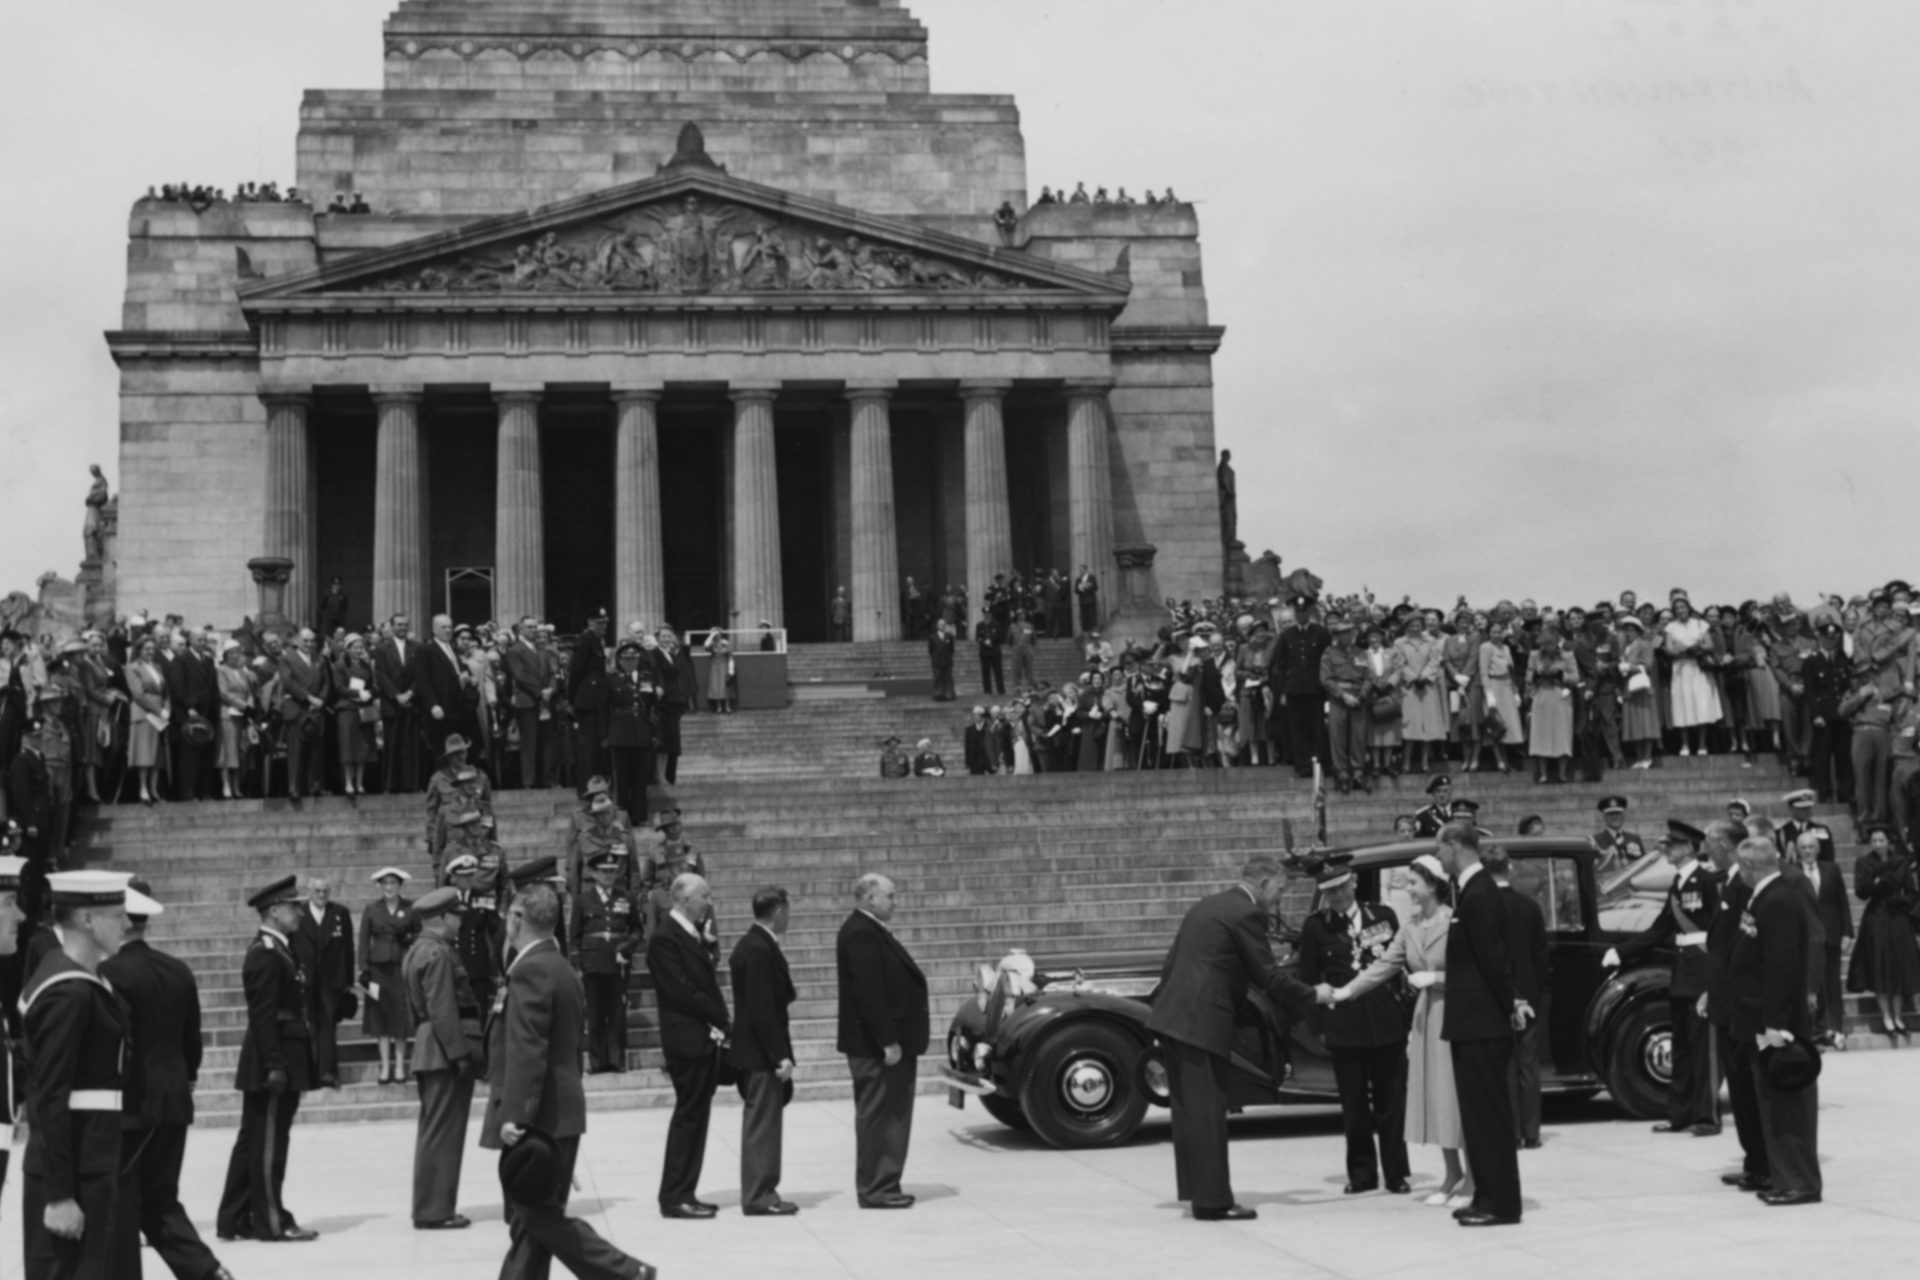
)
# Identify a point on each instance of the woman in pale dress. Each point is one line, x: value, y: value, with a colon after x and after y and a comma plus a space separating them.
x: 1552, y: 675
x: 1022, y: 739
x: 353, y: 701
x: 148, y: 690
x: 1694, y: 701
x: 719, y: 668
x: 1460, y: 659
x: 1383, y: 737
x: 1419, y: 951
x: 1418, y: 659
x: 1751, y: 664
x: 1496, y: 679
x: 234, y: 684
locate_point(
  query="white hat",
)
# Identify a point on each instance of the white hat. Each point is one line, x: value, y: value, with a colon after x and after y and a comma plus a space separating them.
x: 395, y: 872
x: 100, y: 889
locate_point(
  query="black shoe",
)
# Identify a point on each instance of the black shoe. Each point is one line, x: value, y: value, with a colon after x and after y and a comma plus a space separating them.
x: 892, y: 1200
x: 1755, y: 1182
x: 1360, y: 1188
x: 1530, y: 1144
x: 298, y: 1235
x: 1782, y: 1199
x: 1476, y: 1218
x: 1733, y: 1179
x: 691, y: 1210
x: 455, y: 1223
x: 1399, y: 1186
x: 1672, y: 1128
x: 698, y: 1203
x: 1232, y: 1213
x: 778, y: 1209
x: 1705, y: 1130
x: 1461, y: 1213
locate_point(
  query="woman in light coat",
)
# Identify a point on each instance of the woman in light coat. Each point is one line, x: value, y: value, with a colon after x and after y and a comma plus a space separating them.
x: 147, y: 687
x: 1419, y: 659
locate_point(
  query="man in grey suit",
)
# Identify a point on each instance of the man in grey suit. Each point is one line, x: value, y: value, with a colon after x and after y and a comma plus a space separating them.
x: 447, y: 1055
x: 882, y: 1031
x: 762, y: 1051
x: 527, y: 673
x: 533, y: 1054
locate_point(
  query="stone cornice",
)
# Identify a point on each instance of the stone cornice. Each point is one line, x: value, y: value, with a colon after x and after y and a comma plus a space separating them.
x: 181, y: 344
x: 688, y: 48
x: 1203, y: 338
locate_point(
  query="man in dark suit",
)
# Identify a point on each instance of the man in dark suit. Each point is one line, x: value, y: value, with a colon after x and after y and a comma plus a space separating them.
x: 30, y: 804
x: 762, y: 1051
x: 448, y: 1054
x: 1693, y: 1092
x: 1827, y: 887
x: 1367, y: 1037
x: 979, y: 750
x: 1723, y: 837
x: 1220, y: 951
x: 693, y: 1026
x: 194, y: 695
x: 333, y: 608
x: 677, y: 691
x: 323, y: 947
x: 276, y: 1067
x: 1766, y: 981
x: 393, y: 660
x: 883, y: 1030
x: 1482, y: 1014
x: 1527, y: 950
x: 533, y: 1063
x: 587, y: 691
x: 163, y: 1062
x: 940, y: 654
x: 527, y: 677
x: 436, y: 677
x: 303, y: 699
x: 1295, y: 676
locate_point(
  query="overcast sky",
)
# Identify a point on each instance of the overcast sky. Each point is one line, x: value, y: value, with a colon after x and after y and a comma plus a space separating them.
x: 1536, y: 297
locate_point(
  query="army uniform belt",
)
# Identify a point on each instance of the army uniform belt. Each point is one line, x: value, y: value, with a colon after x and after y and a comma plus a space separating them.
x: 610, y: 937
x: 94, y: 1100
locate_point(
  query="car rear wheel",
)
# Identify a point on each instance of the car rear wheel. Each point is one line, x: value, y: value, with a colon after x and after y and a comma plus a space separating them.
x: 1007, y: 1111
x: 1640, y: 1060
x: 1083, y: 1089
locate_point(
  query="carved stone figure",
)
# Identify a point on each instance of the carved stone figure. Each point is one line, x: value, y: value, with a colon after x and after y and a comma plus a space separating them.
x: 1229, y: 499
x: 91, y: 532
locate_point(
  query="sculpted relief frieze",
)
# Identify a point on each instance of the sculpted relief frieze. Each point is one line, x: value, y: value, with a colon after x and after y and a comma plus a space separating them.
x: 693, y: 246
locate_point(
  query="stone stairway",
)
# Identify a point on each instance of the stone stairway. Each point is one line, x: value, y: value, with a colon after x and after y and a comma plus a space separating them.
x: 904, y: 662
x: 1050, y: 863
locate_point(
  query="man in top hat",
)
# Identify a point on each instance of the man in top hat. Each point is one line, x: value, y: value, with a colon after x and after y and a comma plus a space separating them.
x: 323, y: 946
x: 694, y: 1026
x: 606, y: 933
x: 762, y: 1050
x: 1787, y: 835
x: 478, y: 935
x: 1366, y: 1037
x: 448, y: 1055
x: 455, y: 786
x: 1765, y: 984
x: 599, y: 827
x: 76, y: 1031
x: 11, y: 866
x: 276, y: 1067
x: 163, y: 1005
x: 1428, y: 821
x: 1682, y: 927
x: 1619, y: 847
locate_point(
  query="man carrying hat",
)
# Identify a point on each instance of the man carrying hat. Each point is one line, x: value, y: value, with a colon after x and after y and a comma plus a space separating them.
x: 276, y: 1067
x: 1428, y: 821
x: 1619, y: 848
x: 454, y: 786
x: 1693, y: 1091
x: 163, y: 1004
x: 1787, y: 835
x: 606, y: 933
x: 76, y: 1031
x: 1366, y: 1037
x: 448, y: 1055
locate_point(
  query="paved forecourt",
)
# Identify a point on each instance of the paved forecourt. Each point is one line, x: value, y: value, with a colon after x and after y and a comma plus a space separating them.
x: 1604, y: 1197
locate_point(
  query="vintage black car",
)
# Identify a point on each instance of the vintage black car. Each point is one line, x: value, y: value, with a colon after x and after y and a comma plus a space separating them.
x: 1065, y: 1051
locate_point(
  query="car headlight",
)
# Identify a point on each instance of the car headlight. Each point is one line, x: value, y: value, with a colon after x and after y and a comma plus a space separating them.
x: 981, y: 1052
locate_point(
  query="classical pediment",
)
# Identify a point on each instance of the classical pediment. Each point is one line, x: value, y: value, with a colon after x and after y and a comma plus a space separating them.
x: 687, y: 236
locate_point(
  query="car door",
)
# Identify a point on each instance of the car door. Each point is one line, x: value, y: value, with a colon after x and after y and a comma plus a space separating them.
x: 1558, y: 884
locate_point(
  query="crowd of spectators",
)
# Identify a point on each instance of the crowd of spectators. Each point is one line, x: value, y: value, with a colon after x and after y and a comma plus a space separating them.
x: 1079, y: 195
x: 201, y: 196
x: 1370, y: 690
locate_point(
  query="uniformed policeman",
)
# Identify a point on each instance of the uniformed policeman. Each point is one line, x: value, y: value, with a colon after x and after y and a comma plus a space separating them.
x: 606, y: 933
x: 456, y: 787
x: 1619, y: 848
x: 1788, y: 833
x: 599, y: 827
x: 482, y: 929
x: 75, y: 1028
x: 276, y: 1067
x: 11, y: 918
x: 1464, y: 810
x: 1367, y: 1036
x: 1693, y: 1091
x: 1427, y: 822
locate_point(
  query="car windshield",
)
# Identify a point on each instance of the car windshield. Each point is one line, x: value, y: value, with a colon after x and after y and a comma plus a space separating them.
x: 1632, y: 898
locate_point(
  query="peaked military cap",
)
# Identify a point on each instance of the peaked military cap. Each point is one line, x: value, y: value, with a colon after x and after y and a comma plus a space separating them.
x: 281, y: 890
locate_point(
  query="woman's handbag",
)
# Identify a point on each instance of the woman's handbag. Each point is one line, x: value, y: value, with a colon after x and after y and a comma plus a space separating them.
x: 1493, y: 725
x: 1386, y: 706
x: 1639, y: 682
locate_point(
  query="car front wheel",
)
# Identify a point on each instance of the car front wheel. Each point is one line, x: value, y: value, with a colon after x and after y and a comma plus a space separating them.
x: 1007, y: 1111
x: 1083, y: 1089
x: 1640, y: 1060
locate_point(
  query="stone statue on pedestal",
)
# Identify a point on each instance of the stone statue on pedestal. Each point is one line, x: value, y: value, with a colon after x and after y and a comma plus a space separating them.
x: 1229, y: 500
x: 91, y: 532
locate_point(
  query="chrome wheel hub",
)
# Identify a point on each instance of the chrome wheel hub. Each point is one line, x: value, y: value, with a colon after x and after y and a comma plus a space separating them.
x: 1087, y: 1085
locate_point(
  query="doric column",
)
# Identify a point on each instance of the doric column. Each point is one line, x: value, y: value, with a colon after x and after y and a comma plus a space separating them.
x: 876, y: 549
x: 989, y: 518
x: 399, y: 509
x: 519, y: 533
x: 1090, y: 487
x: 756, y: 509
x: 289, y: 523
x: 639, y: 572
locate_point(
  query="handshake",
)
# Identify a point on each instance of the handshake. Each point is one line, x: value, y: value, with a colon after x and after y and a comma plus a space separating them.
x: 1327, y: 995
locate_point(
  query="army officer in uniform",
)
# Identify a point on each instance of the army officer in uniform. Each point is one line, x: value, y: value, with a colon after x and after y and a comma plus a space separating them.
x: 606, y: 933
x: 1366, y: 1037
x: 1619, y: 848
x: 76, y: 1038
x: 276, y: 1067
x: 448, y: 1056
x: 1428, y: 821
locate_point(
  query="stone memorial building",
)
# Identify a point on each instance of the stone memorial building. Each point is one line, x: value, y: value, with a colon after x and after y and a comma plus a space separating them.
x: 693, y: 309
